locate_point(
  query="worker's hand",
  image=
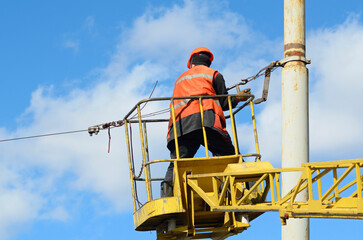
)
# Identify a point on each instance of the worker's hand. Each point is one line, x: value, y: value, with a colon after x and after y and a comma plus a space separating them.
x: 245, y: 91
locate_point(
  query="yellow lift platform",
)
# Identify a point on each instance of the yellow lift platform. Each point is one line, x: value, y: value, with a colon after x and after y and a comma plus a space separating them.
x: 217, y: 197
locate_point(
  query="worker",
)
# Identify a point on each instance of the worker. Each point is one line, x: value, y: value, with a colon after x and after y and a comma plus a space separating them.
x: 200, y: 79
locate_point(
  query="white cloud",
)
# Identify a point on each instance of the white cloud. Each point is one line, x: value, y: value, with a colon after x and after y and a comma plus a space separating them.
x: 166, y: 35
x: 89, y: 23
x: 18, y: 206
x: 335, y: 112
x: 58, y: 213
x: 71, y: 44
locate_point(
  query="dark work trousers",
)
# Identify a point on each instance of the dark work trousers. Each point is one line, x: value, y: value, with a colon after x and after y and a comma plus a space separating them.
x: 190, y: 143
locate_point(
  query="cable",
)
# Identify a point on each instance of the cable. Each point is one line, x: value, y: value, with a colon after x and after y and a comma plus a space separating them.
x: 156, y: 83
x: 43, y: 135
x: 271, y: 67
x: 152, y: 114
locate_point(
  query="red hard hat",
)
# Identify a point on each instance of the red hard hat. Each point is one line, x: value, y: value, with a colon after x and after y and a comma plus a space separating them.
x: 199, y: 50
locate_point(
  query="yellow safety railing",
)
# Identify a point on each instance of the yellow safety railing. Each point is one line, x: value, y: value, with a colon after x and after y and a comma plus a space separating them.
x: 142, y: 129
x: 340, y: 199
x: 217, y: 196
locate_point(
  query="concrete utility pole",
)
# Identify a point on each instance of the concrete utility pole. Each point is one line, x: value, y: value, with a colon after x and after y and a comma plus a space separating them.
x: 295, y: 114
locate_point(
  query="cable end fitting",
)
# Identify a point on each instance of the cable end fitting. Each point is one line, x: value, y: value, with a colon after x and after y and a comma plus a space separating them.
x: 93, y: 130
x: 260, y: 100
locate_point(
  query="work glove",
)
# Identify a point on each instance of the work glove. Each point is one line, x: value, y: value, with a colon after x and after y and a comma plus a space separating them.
x: 244, y: 98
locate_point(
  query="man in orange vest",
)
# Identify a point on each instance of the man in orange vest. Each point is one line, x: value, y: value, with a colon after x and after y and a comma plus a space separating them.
x: 199, y: 80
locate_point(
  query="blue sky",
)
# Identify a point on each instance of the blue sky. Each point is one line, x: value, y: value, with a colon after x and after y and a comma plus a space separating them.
x: 68, y: 65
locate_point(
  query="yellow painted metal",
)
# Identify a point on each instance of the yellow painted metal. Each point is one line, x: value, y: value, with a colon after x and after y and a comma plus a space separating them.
x: 248, y: 193
x: 221, y: 197
x: 341, y: 207
x: 203, y: 128
x: 233, y: 124
x: 359, y: 182
x: 130, y: 166
x: 310, y: 184
x: 272, y: 187
x: 277, y: 184
x: 336, y: 182
x: 211, y: 199
x: 319, y: 184
x: 148, y: 189
x: 174, y: 128
x: 177, y: 184
x: 255, y: 129
x: 147, y: 166
x: 152, y: 213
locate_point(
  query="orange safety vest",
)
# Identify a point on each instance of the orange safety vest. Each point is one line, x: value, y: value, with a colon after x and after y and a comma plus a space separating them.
x: 195, y: 82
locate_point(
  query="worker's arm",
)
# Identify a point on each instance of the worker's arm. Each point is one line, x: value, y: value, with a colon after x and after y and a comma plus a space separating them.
x: 219, y: 86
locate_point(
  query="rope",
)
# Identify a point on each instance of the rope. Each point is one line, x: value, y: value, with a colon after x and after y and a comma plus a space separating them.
x: 109, y: 140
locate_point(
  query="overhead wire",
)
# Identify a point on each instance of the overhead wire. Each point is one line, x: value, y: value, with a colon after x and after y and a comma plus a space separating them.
x: 156, y: 83
x: 42, y: 135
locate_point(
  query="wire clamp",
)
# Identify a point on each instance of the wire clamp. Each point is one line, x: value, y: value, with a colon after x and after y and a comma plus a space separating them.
x: 294, y: 58
x: 93, y: 130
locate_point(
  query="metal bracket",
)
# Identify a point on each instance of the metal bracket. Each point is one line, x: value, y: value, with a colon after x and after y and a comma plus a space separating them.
x: 294, y: 58
x: 93, y: 130
x: 265, y: 87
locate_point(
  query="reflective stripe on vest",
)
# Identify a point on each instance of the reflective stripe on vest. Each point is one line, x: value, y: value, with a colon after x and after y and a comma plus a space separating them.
x: 182, y: 103
x: 186, y: 101
x: 195, y: 76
